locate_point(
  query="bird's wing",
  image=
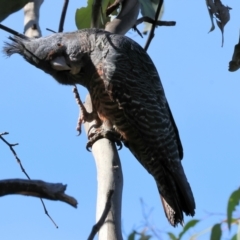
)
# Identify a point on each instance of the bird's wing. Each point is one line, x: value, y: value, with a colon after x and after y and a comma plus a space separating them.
x: 151, y: 134
x: 136, y: 86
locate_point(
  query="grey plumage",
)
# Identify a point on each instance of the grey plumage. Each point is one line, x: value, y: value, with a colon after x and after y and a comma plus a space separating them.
x: 126, y: 91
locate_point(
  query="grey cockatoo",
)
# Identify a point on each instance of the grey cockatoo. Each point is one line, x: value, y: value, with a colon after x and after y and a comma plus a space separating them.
x: 126, y: 93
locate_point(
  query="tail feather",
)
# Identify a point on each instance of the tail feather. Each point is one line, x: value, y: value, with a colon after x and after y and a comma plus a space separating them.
x: 176, y: 197
x: 174, y: 217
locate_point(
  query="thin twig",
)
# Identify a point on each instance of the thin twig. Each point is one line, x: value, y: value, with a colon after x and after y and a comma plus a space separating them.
x: 50, y: 30
x: 158, y: 23
x: 151, y: 34
x: 136, y: 29
x: 36, y: 188
x: 62, y: 19
x: 101, y: 221
x: 46, y: 212
x: 147, y: 225
x: 12, y: 31
x: 23, y: 170
x: 150, y: 20
x: 14, y: 153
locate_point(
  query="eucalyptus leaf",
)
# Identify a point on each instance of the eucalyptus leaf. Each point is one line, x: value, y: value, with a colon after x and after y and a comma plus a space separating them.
x: 132, y: 236
x: 148, y: 9
x: 234, y: 64
x: 83, y: 15
x: 8, y: 7
x: 172, y: 236
x: 189, y: 225
x: 220, y: 12
x: 216, y: 232
x: 234, y: 237
x: 144, y: 237
x: 233, y: 201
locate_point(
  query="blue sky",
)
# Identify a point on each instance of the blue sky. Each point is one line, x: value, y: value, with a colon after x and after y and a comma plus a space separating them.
x: 41, y: 116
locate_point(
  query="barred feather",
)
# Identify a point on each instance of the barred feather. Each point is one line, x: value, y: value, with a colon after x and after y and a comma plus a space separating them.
x: 126, y: 91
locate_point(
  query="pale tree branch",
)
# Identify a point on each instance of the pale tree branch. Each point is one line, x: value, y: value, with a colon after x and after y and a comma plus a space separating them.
x: 109, y: 177
x: 31, y: 19
x: 126, y: 19
x: 98, y: 225
x: 109, y: 172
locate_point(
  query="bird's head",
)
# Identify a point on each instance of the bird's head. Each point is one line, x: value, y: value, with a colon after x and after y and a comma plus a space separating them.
x: 61, y: 55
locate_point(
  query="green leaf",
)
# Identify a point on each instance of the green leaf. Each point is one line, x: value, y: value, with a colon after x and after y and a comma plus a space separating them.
x: 233, y: 201
x: 132, y: 236
x: 144, y: 237
x: 8, y: 7
x: 234, y: 237
x: 83, y: 15
x: 188, y: 225
x: 147, y: 8
x: 216, y: 232
x: 172, y: 236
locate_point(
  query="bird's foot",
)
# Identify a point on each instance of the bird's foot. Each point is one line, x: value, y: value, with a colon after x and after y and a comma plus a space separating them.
x: 84, y: 116
x: 99, y: 133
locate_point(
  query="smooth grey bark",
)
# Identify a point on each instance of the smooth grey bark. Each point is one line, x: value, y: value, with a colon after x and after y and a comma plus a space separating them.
x: 109, y: 177
x: 109, y: 171
x: 125, y: 19
x: 31, y: 19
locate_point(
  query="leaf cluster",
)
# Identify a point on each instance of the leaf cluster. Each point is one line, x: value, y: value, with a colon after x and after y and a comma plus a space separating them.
x: 216, y: 229
x: 83, y: 15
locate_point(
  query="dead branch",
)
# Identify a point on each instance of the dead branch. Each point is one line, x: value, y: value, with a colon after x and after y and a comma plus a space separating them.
x: 14, y: 153
x: 36, y: 188
x: 158, y: 23
x: 23, y: 170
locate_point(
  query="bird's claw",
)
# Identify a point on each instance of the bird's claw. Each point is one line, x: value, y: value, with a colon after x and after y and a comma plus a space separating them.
x: 112, y: 135
x: 79, y: 131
